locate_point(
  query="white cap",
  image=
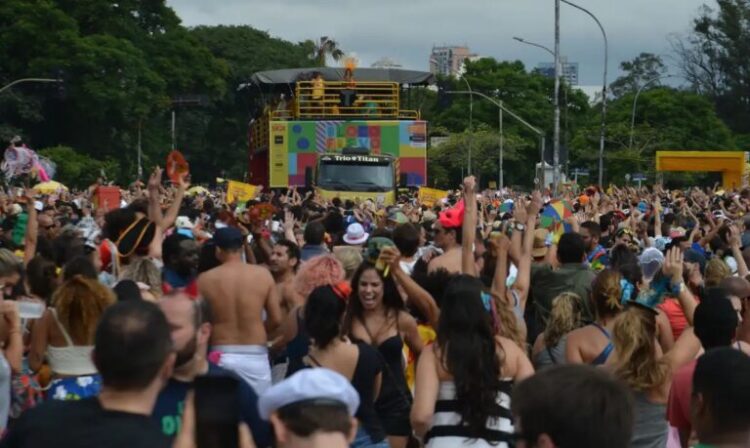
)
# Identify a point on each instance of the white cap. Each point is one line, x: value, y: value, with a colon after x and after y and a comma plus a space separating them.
x: 183, y: 222
x: 309, y: 384
x: 355, y: 234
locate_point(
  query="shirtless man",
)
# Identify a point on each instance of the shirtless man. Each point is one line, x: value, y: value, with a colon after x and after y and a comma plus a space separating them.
x: 447, y: 238
x: 283, y: 264
x: 238, y: 294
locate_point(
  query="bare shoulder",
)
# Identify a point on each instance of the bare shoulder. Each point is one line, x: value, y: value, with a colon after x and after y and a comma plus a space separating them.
x: 406, y: 320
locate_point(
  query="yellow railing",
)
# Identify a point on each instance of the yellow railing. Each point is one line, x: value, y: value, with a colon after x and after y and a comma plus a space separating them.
x: 345, y: 100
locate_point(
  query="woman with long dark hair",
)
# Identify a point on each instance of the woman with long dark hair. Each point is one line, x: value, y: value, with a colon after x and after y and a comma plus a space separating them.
x: 376, y: 315
x: 464, y: 381
x: 360, y: 363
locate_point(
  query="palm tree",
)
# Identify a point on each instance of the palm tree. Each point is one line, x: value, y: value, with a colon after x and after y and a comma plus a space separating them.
x: 326, y: 47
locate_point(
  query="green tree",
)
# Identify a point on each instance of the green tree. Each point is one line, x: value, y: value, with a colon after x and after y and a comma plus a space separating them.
x: 666, y: 119
x: 76, y: 170
x: 324, y: 47
x: 528, y: 94
x: 714, y: 59
x: 637, y: 72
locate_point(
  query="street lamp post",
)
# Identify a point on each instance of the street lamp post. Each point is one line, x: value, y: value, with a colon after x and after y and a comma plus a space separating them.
x: 19, y: 81
x: 556, y: 131
x: 500, y: 155
x: 635, y: 103
x: 471, y: 121
x: 556, y: 143
x: 604, y: 89
x: 502, y: 108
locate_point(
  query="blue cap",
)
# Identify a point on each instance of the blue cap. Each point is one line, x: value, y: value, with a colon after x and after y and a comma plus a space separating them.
x: 228, y: 238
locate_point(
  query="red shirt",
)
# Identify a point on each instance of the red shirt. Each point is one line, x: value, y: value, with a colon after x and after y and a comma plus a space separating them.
x: 678, y: 405
x: 676, y: 316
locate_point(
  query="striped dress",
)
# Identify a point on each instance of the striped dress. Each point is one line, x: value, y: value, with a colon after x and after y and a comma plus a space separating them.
x: 446, y: 430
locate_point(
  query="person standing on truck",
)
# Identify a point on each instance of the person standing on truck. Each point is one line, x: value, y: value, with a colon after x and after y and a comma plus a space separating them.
x: 238, y: 294
x: 318, y: 92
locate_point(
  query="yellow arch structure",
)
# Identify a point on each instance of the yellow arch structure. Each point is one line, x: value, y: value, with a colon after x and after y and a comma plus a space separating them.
x: 731, y: 164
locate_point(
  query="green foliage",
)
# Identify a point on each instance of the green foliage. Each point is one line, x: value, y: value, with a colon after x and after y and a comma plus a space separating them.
x: 666, y: 119
x: 645, y: 68
x: 714, y: 59
x: 449, y: 161
x: 527, y: 94
x: 76, y: 170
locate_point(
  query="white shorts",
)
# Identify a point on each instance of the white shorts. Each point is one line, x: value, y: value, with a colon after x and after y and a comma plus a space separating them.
x: 250, y: 362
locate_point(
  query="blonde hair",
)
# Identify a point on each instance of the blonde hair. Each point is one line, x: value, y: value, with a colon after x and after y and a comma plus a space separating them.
x: 606, y: 293
x: 79, y: 304
x: 507, y: 323
x: 144, y: 271
x: 634, y: 338
x: 566, y: 315
x: 716, y: 271
x: 9, y: 263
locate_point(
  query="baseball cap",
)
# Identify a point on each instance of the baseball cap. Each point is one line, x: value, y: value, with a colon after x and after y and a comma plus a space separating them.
x: 228, y: 238
x: 183, y: 222
x: 315, y: 386
x: 693, y: 256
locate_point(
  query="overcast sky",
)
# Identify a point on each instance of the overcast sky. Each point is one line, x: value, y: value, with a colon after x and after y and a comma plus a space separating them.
x: 405, y: 30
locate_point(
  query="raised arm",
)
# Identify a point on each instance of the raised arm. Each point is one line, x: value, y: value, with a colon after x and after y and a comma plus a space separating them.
x: 32, y: 229
x: 673, y: 267
x: 735, y: 242
x: 416, y: 295
x: 468, y: 266
x: 502, y: 247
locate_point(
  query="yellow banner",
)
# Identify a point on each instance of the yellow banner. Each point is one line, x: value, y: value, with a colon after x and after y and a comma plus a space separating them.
x: 239, y: 191
x: 429, y: 196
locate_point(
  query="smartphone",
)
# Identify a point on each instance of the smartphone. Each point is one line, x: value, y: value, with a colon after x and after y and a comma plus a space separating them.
x: 217, y: 412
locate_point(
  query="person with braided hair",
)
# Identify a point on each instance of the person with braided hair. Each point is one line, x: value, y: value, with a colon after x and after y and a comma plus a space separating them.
x: 592, y: 344
x: 65, y: 336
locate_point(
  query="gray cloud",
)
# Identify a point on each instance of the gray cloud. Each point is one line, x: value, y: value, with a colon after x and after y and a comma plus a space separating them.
x: 405, y: 30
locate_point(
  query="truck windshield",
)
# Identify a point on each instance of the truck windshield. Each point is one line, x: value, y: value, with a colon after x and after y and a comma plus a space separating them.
x: 356, y: 177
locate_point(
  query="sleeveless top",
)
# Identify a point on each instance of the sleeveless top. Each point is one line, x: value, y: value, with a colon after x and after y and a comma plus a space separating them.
x: 368, y: 367
x: 446, y: 430
x: 650, y: 429
x: 71, y: 360
x: 604, y: 355
x: 551, y: 356
x: 298, y: 347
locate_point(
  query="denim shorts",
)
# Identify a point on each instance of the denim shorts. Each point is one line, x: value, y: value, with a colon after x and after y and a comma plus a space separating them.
x: 363, y: 440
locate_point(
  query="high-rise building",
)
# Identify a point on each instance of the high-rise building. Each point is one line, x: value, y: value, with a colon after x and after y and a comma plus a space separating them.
x: 569, y: 70
x: 448, y: 60
x: 385, y: 62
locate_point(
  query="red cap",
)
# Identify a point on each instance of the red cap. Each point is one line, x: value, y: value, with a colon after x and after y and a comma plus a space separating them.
x: 453, y: 217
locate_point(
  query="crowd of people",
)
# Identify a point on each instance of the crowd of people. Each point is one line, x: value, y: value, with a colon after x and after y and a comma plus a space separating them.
x: 480, y: 320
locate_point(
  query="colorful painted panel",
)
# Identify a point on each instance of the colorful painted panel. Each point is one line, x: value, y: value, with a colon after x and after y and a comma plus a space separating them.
x: 297, y: 143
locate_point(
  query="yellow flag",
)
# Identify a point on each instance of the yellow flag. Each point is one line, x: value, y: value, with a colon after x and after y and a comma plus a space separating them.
x: 239, y: 191
x: 429, y: 196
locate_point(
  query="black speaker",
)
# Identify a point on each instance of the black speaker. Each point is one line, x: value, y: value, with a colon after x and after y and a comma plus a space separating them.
x: 308, y: 177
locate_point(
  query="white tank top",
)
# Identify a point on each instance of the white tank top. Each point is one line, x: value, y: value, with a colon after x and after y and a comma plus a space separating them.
x: 72, y: 360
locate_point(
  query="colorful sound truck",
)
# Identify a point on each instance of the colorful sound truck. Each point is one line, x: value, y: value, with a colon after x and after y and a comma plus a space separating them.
x: 345, y: 134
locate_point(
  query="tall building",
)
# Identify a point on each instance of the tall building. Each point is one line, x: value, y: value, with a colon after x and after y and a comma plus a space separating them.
x: 385, y: 62
x: 448, y: 60
x: 569, y: 70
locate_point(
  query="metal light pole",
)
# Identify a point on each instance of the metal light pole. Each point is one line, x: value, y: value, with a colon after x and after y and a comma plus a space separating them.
x: 556, y: 131
x: 19, y: 81
x: 635, y: 103
x: 556, y: 144
x: 471, y: 121
x: 502, y: 107
x: 500, y: 156
x: 604, y: 89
